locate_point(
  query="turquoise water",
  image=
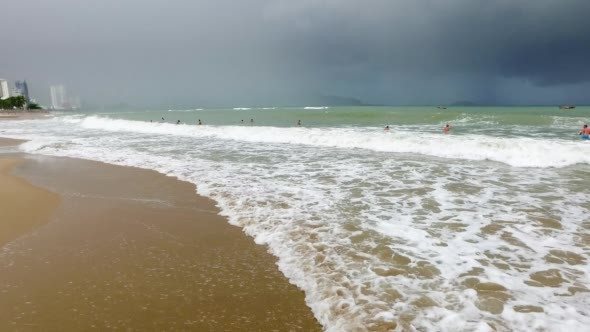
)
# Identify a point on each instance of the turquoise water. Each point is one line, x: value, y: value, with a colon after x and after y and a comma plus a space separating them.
x: 483, y: 229
x: 497, y: 121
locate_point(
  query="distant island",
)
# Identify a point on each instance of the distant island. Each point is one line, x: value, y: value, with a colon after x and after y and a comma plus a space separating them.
x: 464, y: 103
x: 336, y: 101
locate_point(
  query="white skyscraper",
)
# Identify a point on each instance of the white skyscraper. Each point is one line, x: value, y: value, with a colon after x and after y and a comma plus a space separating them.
x: 59, y: 99
x: 4, y: 92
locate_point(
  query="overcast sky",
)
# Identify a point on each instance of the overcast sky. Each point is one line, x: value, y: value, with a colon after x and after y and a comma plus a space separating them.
x: 267, y: 52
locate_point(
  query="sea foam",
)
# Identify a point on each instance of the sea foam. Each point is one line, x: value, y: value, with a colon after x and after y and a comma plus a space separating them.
x: 514, y: 151
x: 377, y: 234
x: 316, y: 107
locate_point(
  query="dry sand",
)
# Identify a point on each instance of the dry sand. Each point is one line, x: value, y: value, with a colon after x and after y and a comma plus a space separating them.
x: 20, y: 115
x: 134, y: 250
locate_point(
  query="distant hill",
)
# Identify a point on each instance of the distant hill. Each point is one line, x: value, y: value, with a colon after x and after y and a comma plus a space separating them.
x: 464, y: 103
x: 337, y: 101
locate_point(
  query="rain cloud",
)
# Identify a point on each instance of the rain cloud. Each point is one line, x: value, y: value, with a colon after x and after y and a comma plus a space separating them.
x: 234, y: 52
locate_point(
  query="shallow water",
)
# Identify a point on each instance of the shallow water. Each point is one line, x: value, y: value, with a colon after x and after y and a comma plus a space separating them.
x: 485, y: 228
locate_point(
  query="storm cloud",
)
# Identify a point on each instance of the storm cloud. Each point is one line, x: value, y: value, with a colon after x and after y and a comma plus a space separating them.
x: 235, y: 52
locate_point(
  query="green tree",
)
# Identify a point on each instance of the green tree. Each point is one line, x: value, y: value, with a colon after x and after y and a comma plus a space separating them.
x: 13, y: 102
x: 34, y: 106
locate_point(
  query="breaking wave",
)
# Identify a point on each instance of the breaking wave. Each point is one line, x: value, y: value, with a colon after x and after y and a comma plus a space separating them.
x: 514, y: 151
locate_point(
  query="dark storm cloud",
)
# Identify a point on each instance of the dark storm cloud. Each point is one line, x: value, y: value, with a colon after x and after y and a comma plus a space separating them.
x: 545, y: 41
x: 273, y: 51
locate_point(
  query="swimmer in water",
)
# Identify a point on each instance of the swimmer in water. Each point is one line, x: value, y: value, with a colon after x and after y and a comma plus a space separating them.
x: 251, y: 121
x: 200, y: 123
x: 299, y: 123
x: 447, y: 128
x: 386, y: 128
x: 177, y: 121
x: 242, y: 121
x: 163, y: 119
x: 585, y: 133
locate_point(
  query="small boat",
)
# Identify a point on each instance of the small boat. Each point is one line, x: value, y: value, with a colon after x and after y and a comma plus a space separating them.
x: 441, y: 107
x: 566, y: 107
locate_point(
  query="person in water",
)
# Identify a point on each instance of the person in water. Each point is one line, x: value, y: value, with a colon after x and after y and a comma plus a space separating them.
x: 447, y: 128
x: 251, y: 121
x: 242, y: 121
x: 200, y: 123
x: 386, y: 128
x: 177, y: 121
x: 299, y: 123
x: 163, y: 119
x: 585, y: 132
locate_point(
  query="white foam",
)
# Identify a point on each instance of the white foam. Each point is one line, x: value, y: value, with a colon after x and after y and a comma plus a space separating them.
x: 316, y: 107
x: 334, y: 212
x: 186, y: 111
x: 518, y: 152
x: 568, y: 122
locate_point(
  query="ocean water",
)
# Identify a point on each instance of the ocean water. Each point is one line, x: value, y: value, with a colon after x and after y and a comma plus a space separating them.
x: 487, y: 228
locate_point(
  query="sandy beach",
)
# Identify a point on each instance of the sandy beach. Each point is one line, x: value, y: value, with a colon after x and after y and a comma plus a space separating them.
x: 17, y: 197
x: 90, y: 246
x: 10, y: 115
x: 484, y: 228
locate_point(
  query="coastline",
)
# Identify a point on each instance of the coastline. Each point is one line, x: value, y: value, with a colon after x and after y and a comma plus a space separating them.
x: 21, y: 115
x: 133, y: 249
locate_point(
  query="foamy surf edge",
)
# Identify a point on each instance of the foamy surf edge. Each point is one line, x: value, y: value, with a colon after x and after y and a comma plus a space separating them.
x: 513, y: 151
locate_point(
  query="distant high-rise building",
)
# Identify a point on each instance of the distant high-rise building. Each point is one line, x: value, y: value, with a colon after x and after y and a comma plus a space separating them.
x: 4, y: 92
x: 22, y: 89
x: 59, y: 100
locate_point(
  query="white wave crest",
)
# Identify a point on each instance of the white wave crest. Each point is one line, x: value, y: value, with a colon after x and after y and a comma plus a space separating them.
x: 315, y: 107
x: 568, y: 122
x: 186, y: 111
x: 517, y: 152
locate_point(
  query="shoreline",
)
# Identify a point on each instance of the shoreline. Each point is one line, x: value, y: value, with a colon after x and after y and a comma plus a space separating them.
x: 131, y: 248
x: 23, y: 115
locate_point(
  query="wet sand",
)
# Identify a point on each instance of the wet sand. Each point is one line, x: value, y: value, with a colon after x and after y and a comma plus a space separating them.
x: 132, y: 249
x: 23, y: 206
